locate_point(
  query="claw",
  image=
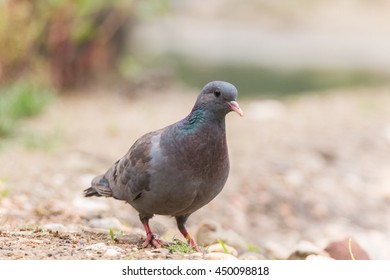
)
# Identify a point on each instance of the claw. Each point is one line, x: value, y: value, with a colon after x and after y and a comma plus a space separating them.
x: 156, y: 243
x: 190, y: 241
x: 150, y: 239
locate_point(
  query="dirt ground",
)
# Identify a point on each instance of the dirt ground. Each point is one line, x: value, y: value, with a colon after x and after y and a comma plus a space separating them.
x: 310, y: 168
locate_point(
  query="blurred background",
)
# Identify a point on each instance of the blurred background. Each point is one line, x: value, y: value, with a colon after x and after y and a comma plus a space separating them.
x: 80, y: 81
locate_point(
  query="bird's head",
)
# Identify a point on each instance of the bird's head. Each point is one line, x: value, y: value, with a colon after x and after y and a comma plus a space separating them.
x: 219, y: 98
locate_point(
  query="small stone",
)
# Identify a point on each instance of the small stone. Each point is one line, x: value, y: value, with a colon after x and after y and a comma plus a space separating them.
x: 111, y: 253
x: 97, y: 247
x: 132, y: 238
x: 105, y: 250
x: 219, y: 256
x: 339, y: 250
x: 219, y: 248
x: 196, y: 256
x: 54, y: 227
x: 304, y: 249
x: 275, y: 250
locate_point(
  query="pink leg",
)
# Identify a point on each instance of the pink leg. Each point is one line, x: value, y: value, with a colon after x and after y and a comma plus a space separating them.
x: 150, y: 239
x: 180, y: 225
x: 185, y: 233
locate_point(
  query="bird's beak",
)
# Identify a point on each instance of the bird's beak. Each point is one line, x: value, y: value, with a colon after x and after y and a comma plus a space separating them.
x: 235, y: 107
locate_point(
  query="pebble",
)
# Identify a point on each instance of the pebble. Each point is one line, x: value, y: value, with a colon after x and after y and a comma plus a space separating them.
x: 105, y: 250
x: 305, y: 248
x: 97, y: 247
x: 276, y: 250
x: 132, y: 238
x: 219, y: 256
x: 111, y: 253
x: 339, y: 250
x: 219, y: 248
x: 196, y: 256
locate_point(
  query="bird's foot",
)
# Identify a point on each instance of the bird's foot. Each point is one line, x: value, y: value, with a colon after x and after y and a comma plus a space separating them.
x: 150, y: 239
x: 199, y: 249
x: 156, y: 243
x: 190, y: 241
x: 195, y: 246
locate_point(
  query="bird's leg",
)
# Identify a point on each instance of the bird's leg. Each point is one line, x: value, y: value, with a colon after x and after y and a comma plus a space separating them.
x: 185, y: 233
x: 180, y: 225
x: 150, y: 239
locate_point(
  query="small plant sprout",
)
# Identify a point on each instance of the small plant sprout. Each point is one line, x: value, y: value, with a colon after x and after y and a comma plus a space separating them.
x: 112, y: 236
x: 223, y: 246
x: 178, y: 246
x: 350, y: 249
x: 253, y: 248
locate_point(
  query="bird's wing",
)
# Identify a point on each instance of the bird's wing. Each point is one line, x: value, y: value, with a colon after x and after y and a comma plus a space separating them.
x: 130, y: 176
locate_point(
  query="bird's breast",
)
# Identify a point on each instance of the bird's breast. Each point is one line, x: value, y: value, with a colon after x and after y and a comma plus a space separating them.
x: 186, y: 172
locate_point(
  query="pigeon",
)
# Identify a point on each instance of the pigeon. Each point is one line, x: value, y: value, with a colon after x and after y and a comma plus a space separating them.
x: 178, y: 169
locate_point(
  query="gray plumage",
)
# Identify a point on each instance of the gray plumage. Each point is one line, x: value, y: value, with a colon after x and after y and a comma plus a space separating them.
x: 177, y: 169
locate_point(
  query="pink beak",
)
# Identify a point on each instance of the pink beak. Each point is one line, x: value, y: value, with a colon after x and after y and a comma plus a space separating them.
x: 236, y: 108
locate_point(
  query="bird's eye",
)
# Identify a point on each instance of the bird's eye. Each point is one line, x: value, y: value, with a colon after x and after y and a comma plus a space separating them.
x: 217, y: 93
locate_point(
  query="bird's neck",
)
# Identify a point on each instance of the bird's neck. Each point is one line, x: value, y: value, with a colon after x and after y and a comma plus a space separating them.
x: 200, y: 119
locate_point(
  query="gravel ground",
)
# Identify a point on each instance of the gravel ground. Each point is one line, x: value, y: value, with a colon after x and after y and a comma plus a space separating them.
x: 307, y: 170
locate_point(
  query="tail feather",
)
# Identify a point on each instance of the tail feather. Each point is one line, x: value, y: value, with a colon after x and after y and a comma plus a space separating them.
x: 99, y: 187
x: 90, y: 192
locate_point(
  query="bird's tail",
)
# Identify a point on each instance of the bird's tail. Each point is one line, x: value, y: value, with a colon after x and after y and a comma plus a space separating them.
x: 99, y: 187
